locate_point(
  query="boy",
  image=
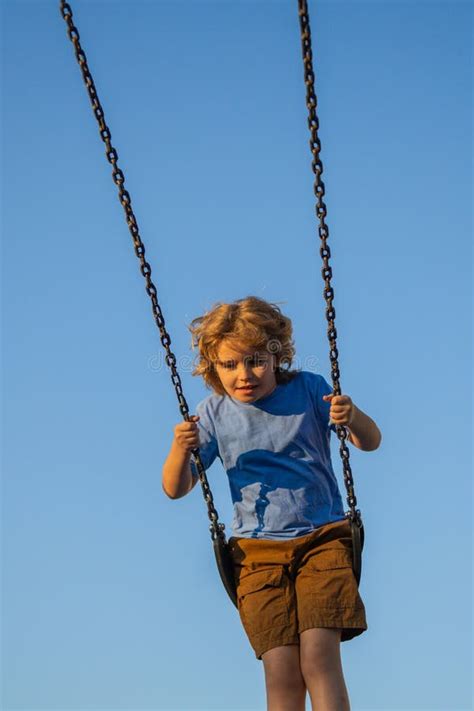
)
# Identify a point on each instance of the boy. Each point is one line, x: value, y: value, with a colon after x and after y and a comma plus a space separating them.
x: 270, y: 426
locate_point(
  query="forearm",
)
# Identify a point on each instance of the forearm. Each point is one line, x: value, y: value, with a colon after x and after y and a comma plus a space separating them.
x: 363, y: 432
x: 177, y: 479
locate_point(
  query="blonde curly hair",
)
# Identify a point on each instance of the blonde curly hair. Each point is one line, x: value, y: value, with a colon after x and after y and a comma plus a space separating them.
x: 250, y: 322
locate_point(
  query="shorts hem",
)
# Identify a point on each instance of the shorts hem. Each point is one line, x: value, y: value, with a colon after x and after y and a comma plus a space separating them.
x: 277, y: 639
x: 349, y: 630
x: 351, y: 625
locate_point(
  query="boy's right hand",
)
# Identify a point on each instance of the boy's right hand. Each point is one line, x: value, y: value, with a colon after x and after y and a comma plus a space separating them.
x: 186, y: 434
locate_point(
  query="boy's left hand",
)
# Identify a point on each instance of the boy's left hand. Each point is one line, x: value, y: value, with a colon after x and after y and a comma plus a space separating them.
x: 342, y: 409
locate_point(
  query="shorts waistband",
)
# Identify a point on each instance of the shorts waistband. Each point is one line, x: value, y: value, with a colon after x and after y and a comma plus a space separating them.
x: 247, y: 543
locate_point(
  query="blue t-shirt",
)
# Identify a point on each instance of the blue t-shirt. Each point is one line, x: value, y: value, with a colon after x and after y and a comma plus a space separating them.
x: 277, y: 457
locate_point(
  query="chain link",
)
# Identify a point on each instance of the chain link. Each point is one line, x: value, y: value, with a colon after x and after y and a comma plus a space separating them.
x: 325, y: 252
x: 216, y: 528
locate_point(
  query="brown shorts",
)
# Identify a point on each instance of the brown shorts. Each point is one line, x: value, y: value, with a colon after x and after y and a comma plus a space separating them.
x: 287, y: 586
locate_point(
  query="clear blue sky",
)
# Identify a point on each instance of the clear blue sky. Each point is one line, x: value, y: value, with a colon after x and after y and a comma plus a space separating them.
x: 111, y: 598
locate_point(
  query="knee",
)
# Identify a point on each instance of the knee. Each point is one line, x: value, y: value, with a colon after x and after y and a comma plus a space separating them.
x: 314, y: 666
x: 282, y: 672
x: 320, y: 654
x: 289, y: 684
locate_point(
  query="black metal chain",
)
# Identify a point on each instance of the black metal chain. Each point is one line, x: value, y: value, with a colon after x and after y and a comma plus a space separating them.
x: 216, y: 528
x: 325, y: 252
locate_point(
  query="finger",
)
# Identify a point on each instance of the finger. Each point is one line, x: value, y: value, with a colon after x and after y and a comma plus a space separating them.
x: 339, y: 409
x: 186, y: 428
x: 189, y: 425
x: 336, y: 421
x: 191, y: 436
x: 341, y: 400
x: 341, y: 420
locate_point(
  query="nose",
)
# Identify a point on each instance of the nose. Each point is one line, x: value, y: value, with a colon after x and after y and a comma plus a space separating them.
x: 245, y: 372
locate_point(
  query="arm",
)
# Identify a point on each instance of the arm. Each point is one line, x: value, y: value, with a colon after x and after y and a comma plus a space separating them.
x: 177, y: 479
x: 363, y: 432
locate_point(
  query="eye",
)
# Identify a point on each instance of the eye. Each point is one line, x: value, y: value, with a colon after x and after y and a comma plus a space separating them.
x: 256, y: 362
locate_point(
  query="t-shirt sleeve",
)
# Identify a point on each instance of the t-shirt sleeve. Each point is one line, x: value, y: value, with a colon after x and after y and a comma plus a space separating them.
x: 208, y: 449
x: 321, y: 387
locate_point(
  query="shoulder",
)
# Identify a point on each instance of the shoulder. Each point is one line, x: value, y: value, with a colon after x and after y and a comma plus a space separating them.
x: 312, y: 380
x: 315, y: 386
x: 303, y: 381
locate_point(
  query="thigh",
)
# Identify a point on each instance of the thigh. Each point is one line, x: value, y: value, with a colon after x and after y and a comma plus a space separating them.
x: 267, y: 608
x: 320, y: 650
x: 327, y: 579
x: 327, y: 592
x: 321, y: 667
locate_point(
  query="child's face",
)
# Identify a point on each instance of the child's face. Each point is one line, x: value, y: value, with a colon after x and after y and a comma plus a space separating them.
x: 238, y: 369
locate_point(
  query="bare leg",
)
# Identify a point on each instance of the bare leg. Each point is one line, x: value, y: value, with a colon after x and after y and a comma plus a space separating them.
x: 286, y: 689
x: 321, y: 666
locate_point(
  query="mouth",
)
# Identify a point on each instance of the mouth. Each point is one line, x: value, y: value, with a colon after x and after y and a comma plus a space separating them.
x: 247, y: 387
